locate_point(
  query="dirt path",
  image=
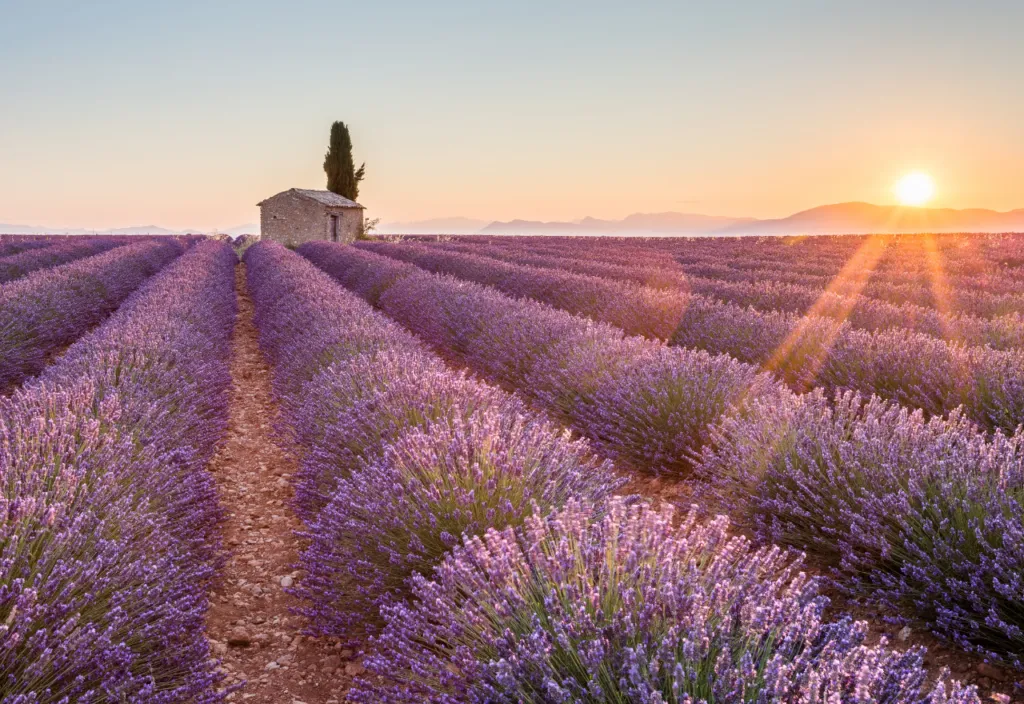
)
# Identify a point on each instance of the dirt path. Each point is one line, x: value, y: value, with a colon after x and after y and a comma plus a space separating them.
x: 251, y: 624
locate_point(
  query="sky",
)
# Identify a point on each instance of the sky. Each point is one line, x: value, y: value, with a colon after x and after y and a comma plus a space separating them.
x: 186, y: 114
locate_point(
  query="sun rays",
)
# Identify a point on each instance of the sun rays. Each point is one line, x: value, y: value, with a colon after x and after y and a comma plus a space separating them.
x: 808, y: 351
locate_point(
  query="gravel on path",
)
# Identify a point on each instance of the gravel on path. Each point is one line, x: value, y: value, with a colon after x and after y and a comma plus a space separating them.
x: 252, y: 626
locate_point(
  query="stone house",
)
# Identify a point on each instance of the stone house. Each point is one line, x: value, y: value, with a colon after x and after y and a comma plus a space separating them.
x: 300, y: 215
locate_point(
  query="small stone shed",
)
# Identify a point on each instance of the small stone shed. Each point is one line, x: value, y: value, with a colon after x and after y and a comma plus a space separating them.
x: 301, y: 215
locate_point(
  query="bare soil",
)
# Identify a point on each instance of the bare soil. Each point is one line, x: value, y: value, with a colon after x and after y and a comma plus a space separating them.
x: 252, y: 624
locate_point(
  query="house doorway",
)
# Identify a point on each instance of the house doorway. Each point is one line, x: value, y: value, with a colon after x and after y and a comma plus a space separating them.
x: 334, y: 228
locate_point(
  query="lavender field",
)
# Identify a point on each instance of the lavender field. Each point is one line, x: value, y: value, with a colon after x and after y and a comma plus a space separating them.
x: 512, y: 469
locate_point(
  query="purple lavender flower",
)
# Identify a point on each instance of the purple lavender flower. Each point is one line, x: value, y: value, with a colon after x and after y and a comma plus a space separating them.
x: 353, y: 409
x: 400, y: 514
x: 921, y: 515
x: 628, y: 607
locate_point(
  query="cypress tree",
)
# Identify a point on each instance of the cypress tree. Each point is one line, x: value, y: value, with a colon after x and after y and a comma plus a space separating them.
x: 342, y: 176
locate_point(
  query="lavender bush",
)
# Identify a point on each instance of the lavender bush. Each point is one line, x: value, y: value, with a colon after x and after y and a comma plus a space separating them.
x: 626, y: 607
x: 921, y: 372
x: 922, y: 515
x: 287, y: 293
x: 49, y: 309
x: 792, y: 346
x: 362, y: 404
x: 108, y: 537
x: 914, y: 369
x: 400, y: 514
x: 243, y: 242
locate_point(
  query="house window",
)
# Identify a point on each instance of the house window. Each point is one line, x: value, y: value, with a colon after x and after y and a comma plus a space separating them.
x: 334, y: 228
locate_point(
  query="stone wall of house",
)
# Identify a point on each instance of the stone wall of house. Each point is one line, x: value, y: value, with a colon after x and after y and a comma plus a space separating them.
x: 291, y: 219
x: 350, y: 221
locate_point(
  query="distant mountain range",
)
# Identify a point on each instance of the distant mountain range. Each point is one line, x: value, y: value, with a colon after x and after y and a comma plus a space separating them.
x: 636, y: 224
x: 841, y: 218
x: 865, y: 218
x: 6, y: 229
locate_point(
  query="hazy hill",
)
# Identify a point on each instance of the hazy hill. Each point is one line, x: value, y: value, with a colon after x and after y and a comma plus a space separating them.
x: 636, y: 224
x: 843, y: 218
x: 840, y: 218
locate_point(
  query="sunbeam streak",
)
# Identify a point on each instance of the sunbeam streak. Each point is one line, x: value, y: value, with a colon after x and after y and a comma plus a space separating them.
x: 801, y: 355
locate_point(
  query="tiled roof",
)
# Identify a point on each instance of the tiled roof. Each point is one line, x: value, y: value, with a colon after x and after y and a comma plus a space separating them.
x: 325, y: 197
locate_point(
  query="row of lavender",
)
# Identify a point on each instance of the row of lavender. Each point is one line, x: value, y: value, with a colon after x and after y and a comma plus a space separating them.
x: 13, y: 244
x: 979, y: 262
x: 109, y: 533
x: 859, y: 277
x: 43, y: 312
x: 955, y: 492
x: 913, y: 369
x: 933, y: 290
x: 1000, y: 332
x: 18, y: 265
x: 964, y: 254
x: 737, y: 260
x: 482, y: 546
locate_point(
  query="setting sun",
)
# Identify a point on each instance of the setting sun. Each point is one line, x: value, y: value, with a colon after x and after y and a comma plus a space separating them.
x: 915, y: 189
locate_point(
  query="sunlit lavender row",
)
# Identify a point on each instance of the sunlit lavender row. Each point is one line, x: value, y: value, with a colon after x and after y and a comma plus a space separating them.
x: 920, y: 276
x: 914, y: 369
x: 109, y: 530
x: 979, y: 261
x: 674, y: 410
x: 1000, y: 332
x: 646, y: 404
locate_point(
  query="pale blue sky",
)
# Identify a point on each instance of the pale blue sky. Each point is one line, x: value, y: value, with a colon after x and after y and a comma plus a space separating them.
x: 188, y: 113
